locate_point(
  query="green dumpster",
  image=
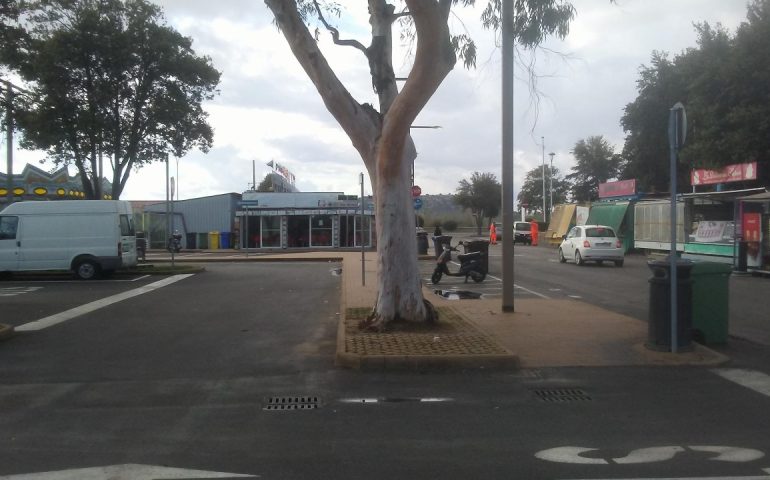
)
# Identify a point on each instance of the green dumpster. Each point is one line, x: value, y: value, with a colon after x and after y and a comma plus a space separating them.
x: 203, y: 240
x: 710, y: 301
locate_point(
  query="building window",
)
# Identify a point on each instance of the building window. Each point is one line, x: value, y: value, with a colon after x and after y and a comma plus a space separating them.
x: 321, y: 230
x: 271, y: 231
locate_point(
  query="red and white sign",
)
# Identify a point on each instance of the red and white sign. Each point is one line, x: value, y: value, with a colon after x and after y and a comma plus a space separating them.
x: 751, y: 227
x: 622, y: 188
x: 416, y: 191
x: 731, y: 173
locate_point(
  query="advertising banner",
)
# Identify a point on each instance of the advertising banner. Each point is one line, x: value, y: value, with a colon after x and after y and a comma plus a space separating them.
x: 581, y: 215
x: 731, y: 173
x: 621, y: 188
x: 752, y: 233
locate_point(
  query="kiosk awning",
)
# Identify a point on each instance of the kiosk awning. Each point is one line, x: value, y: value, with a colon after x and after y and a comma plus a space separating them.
x: 561, y: 219
x: 609, y: 214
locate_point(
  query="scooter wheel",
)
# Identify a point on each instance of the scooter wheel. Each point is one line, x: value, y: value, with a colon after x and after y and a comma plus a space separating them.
x: 435, y: 278
x: 478, y: 277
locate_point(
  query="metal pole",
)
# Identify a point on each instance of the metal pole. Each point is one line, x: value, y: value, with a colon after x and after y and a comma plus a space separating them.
x: 550, y: 176
x: 168, y: 228
x: 363, y: 249
x: 542, y: 140
x: 507, y: 155
x: 173, y: 222
x: 675, y: 139
x: 9, y: 137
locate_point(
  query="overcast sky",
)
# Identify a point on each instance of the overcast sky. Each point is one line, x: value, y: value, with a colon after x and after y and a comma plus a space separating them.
x: 269, y: 110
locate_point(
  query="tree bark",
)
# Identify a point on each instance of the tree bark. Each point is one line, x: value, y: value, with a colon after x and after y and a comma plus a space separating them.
x: 382, y: 139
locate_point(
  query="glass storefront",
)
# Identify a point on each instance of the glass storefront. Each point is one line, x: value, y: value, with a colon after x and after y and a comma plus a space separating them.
x: 321, y: 232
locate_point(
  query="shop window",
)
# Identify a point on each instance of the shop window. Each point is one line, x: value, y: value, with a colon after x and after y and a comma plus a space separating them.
x: 711, y: 222
x: 271, y: 231
x: 321, y: 231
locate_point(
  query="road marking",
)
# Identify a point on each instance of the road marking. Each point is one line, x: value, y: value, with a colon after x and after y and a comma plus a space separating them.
x: 731, y: 477
x: 575, y: 296
x: 124, y: 472
x: 757, y: 381
x: 397, y: 400
x: 96, y: 305
x: 574, y: 455
x: 649, y: 455
x: 13, y: 291
x: 730, y: 454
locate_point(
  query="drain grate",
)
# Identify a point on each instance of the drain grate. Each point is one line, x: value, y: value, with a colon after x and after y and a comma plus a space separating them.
x: 292, y: 403
x: 562, y: 395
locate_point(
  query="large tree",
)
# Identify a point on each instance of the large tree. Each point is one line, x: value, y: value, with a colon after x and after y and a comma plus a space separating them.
x: 723, y: 84
x: 595, y: 162
x: 109, y: 79
x: 381, y: 134
x: 531, y: 192
x: 481, y: 195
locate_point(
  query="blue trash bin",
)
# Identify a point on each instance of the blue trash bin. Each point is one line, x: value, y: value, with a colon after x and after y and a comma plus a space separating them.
x: 224, y: 239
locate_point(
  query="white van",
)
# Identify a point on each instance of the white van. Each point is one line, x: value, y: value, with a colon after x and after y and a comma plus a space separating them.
x: 88, y: 237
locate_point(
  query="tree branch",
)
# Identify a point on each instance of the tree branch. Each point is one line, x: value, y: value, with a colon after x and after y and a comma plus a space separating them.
x: 336, y: 34
x: 360, y: 123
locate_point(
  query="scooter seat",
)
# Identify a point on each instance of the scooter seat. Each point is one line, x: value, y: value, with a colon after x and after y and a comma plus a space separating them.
x: 464, y: 257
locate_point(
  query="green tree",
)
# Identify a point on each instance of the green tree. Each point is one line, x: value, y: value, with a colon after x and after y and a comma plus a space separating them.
x: 110, y: 79
x: 381, y: 134
x: 531, y: 192
x: 481, y: 195
x: 722, y: 83
x: 645, y: 121
x: 266, y: 185
x: 596, y: 162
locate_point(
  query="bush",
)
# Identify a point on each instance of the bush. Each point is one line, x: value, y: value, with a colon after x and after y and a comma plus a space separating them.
x: 450, y: 225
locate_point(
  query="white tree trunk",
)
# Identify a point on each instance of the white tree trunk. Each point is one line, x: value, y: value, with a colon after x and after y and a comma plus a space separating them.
x: 399, y: 294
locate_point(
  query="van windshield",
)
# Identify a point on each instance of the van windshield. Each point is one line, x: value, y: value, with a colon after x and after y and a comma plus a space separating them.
x: 127, y: 226
x: 524, y: 227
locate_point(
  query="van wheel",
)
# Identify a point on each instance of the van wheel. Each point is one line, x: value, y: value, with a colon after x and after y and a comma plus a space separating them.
x: 86, y: 269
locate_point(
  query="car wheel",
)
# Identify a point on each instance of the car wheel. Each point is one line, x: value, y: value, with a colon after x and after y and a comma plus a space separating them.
x: 578, y: 258
x: 87, y: 269
x: 561, y: 256
x: 618, y: 263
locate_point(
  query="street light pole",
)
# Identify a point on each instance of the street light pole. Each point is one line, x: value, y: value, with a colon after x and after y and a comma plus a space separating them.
x: 542, y: 140
x: 550, y: 175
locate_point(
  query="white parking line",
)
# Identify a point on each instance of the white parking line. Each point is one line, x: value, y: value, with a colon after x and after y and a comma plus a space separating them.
x: 96, y: 305
x: 757, y: 381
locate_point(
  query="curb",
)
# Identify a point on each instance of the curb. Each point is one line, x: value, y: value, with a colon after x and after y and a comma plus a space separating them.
x: 403, y: 363
x: 6, y: 331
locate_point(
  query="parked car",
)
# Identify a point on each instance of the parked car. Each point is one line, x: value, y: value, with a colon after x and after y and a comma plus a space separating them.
x: 591, y: 243
x: 522, y: 232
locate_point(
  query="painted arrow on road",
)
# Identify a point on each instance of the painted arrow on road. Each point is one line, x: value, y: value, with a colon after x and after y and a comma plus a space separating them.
x: 124, y: 472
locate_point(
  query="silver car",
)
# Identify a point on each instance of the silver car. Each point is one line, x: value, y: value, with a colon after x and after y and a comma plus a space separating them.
x: 591, y: 243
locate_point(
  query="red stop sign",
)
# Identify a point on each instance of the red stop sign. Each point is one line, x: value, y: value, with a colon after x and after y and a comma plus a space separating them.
x: 416, y: 191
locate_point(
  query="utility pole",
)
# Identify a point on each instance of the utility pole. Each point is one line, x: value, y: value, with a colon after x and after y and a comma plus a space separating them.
x: 550, y: 176
x: 9, y: 138
x: 507, y: 157
x: 542, y: 140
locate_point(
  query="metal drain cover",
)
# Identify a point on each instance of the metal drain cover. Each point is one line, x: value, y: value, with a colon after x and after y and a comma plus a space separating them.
x: 292, y: 403
x: 561, y: 395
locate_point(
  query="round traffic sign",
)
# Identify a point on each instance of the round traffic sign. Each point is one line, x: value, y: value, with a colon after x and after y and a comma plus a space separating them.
x: 417, y: 203
x: 416, y: 191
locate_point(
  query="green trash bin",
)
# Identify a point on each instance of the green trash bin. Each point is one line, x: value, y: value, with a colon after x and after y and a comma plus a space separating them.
x: 203, y: 240
x: 710, y: 301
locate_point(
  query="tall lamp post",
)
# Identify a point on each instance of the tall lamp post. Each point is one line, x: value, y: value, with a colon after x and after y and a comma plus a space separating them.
x: 542, y: 140
x: 550, y: 175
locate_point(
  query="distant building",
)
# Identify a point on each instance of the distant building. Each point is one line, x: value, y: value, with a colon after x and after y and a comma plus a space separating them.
x: 34, y: 183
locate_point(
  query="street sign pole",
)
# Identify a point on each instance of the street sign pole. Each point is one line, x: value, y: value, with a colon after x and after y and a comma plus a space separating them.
x: 507, y: 157
x: 677, y: 131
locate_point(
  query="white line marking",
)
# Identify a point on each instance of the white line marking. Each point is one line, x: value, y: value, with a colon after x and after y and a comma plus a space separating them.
x: 531, y: 291
x: 139, y: 278
x: 96, y: 305
x: 574, y: 296
x: 757, y: 381
x: 649, y: 455
x: 570, y: 455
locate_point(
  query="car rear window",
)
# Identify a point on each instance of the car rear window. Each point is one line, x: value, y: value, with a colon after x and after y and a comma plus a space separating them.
x: 524, y: 227
x: 599, y: 232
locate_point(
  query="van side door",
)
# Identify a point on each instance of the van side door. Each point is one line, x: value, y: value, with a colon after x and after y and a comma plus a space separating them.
x: 9, y: 243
